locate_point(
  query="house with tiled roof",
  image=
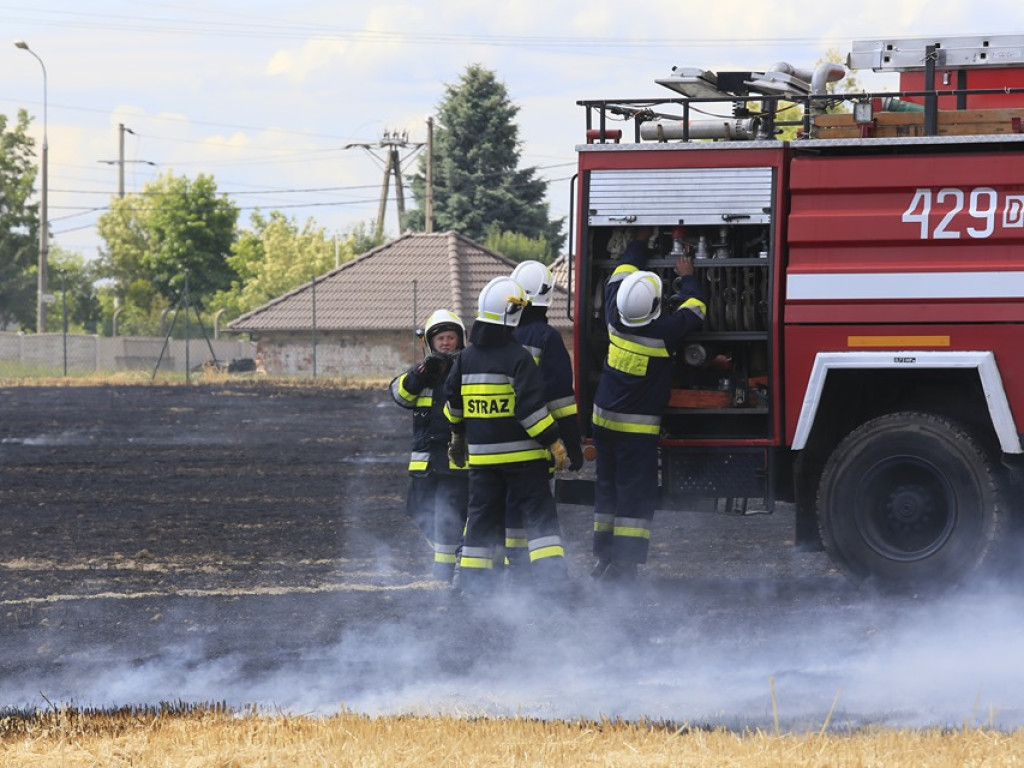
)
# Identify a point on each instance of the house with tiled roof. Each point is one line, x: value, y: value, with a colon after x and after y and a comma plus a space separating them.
x: 367, y: 310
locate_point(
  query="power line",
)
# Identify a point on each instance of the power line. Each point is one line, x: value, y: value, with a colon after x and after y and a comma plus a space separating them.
x: 279, y: 28
x: 297, y: 190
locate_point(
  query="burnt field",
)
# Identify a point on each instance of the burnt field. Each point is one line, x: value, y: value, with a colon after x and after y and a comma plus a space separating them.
x: 247, y: 544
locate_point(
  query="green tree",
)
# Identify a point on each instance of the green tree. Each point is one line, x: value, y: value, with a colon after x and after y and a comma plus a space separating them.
x: 363, y: 237
x: 477, y: 179
x: 72, y: 281
x: 791, y: 112
x: 19, y: 224
x: 517, y: 247
x: 276, y: 255
x: 175, y: 226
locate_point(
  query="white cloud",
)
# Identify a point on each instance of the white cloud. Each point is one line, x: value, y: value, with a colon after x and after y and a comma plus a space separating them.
x: 308, y: 76
x: 314, y: 56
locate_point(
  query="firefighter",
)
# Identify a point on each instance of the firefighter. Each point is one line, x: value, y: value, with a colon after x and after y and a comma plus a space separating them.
x: 549, y: 353
x: 501, y: 427
x: 438, y: 490
x: 631, y: 397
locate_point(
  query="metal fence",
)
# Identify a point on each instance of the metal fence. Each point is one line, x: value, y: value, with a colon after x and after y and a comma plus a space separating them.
x: 69, y: 355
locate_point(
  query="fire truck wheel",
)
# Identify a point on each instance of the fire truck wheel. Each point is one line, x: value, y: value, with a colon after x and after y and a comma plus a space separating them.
x: 909, y: 501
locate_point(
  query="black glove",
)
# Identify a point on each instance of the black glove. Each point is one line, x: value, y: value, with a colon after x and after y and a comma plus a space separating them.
x: 458, y: 451
x: 677, y: 297
x: 432, y: 367
x: 575, y: 451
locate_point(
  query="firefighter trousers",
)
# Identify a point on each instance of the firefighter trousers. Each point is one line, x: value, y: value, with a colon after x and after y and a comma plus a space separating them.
x: 516, y: 554
x: 437, y: 503
x: 525, y: 489
x: 626, y: 493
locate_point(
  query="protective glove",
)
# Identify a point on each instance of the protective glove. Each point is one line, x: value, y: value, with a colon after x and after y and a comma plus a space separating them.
x: 432, y: 366
x: 575, y: 451
x: 558, y: 454
x: 677, y: 297
x: 458, y: 451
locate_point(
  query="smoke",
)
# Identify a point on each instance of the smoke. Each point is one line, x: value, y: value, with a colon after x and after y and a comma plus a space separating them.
x: 727, y: 627
x: 662, y: 653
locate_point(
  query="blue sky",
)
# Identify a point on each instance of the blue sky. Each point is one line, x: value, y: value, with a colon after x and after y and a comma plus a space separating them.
x: 264, y: 95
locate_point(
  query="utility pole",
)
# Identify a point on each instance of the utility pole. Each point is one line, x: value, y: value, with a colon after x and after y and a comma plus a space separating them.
x: 392, y: 144
x: 44, y: 217
x: 428, y: 203
x: 121, y: 131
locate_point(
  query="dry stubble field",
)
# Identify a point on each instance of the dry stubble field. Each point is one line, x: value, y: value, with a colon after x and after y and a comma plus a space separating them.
x: 166, y: 547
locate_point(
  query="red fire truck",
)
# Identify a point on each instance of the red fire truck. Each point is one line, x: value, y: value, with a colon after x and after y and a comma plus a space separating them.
x: 863, y: 269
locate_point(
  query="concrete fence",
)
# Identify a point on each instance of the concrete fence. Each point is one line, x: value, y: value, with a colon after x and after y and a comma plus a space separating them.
x: 53, y: 353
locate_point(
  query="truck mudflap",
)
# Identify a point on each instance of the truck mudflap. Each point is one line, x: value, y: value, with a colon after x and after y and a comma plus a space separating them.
x: 1014, y: 464
x: 690, y: 474
x: 692, y: 477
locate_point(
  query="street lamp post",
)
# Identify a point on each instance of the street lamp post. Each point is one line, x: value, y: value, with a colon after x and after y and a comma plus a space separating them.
x: 44, y: 224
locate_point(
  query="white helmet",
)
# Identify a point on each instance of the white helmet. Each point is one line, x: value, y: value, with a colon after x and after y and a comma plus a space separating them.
x: 443, y: 320
x: 501, y: 302
x: 639, y: 299
x: 537, y: 281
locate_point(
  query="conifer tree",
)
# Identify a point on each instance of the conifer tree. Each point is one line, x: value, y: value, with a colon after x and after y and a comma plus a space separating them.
x: 478, y: 184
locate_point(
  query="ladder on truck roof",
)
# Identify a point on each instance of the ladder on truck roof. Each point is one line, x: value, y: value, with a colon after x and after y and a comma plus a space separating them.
x: 908, y: 54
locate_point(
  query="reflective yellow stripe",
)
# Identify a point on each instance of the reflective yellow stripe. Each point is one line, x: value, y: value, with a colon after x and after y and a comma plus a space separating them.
x: 638, y: 347
x: 561, y: 413
x: 633, y: 533
x: 403, y: 393
x: 487, y: 389
x: 532, y: 420
x: 424, y: 402
x: 626, y: 361
x: 418, y: 466
x: 899, y: 342
x: 562, y: 407
x: 603, y: 527
x: 515, y: 543
x: 626, y: 426
x: 540, y: 426
x: 484, y: 563
x: 441, y: 557
x: 454, y: 417
x: 695, y: 305
x: 624, y: 269
x: 489, y: 459
x: 544, y: 552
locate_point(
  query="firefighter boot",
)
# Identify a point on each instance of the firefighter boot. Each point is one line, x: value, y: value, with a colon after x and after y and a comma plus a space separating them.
x: 599, y: 568
x: 620, y: 572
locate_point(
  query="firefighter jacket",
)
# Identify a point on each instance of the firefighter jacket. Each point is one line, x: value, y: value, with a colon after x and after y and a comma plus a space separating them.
x: 549, y: 353
x: 636, y: 380
x: 430, y: 429
x: 495, y: 394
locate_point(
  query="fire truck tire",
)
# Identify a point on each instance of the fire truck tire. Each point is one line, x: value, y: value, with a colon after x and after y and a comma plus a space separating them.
x: 909, y: 501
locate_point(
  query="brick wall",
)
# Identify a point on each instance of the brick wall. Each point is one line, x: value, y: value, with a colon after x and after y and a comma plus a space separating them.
x: 363, y: 355
x: 366, y: 355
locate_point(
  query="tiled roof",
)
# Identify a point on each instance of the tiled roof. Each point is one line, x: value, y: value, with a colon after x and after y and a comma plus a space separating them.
x: 383, y: 288
x: 557, y: 313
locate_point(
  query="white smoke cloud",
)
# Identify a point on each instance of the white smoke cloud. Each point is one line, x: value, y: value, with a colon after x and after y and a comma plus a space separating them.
x: 665, y: 654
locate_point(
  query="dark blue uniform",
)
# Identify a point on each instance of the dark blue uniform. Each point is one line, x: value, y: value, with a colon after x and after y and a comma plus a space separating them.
x: 438, y: 490
x: 496, y: 396
x: 545, y: 344
x: 631, y: 397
